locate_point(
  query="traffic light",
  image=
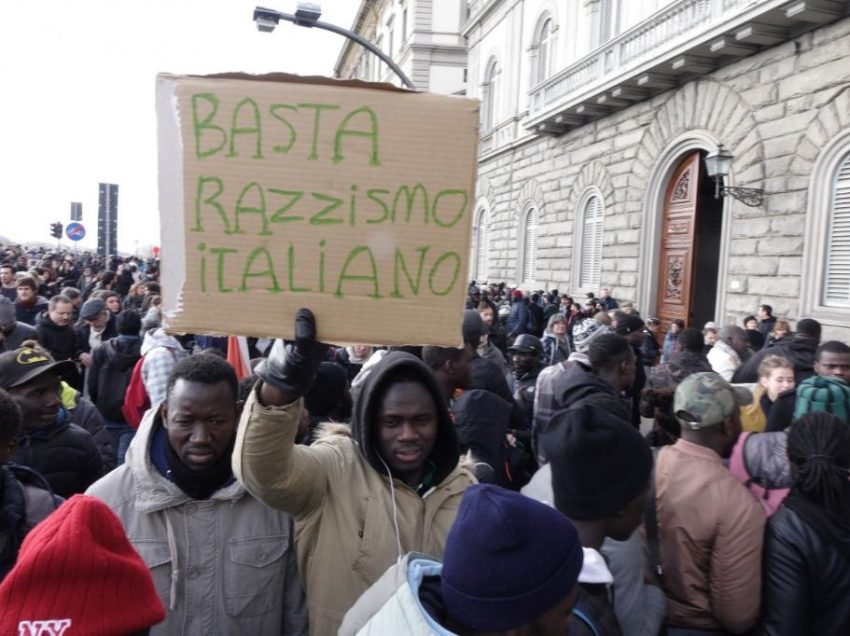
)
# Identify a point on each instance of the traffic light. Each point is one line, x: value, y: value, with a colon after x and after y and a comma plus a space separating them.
x: 56, y: 230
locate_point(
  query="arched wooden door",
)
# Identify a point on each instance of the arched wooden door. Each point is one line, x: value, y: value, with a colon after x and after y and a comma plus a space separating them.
x: 676, y: 265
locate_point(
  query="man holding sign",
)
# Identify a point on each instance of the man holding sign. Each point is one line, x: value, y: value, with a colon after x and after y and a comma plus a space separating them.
x: 363, y: 497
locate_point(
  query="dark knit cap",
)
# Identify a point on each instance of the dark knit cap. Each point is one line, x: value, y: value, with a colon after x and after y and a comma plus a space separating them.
x: 128, y: 323
x: 599, y: 462
x: 473, y: 327
x: 327, y: 390
x: 508, y: 559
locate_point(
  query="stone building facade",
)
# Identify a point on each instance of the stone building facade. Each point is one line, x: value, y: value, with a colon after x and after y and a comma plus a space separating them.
x: 577, y: 196
x: 597, y: 117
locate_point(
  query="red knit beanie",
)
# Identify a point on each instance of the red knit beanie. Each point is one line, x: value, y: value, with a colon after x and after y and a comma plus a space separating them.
x: 78, y: 574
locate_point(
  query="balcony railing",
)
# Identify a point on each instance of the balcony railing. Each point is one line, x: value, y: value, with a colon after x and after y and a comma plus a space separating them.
x: 674, y: 31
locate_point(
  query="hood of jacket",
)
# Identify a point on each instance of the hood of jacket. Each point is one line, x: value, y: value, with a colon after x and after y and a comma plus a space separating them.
x: 122, y: 353
x: 446, y: 451
x: 801, y: 352
x: 158, y: 338
x: 580, y: 383
x: 153, y: 491
x: 685, y: 363
x: 481, y: 422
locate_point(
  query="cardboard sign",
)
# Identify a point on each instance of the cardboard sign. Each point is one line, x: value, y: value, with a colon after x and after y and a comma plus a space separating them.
x: 352, y: 199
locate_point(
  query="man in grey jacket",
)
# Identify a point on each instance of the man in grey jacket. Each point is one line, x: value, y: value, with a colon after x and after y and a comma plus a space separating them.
x: 221, y: 561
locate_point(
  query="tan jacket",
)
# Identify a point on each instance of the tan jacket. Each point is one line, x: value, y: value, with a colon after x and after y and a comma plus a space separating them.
x: 223, y: 565
x: 343, y: 507
x: 711, y: 532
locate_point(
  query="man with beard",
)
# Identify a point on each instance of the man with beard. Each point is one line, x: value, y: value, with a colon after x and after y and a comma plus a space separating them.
x: 361, y: 497
x: 222, y: 562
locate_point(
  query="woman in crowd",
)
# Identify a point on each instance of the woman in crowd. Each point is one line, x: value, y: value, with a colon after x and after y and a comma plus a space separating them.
x: 670, y: 339
x: 556, y: 346
x: 776, y: 374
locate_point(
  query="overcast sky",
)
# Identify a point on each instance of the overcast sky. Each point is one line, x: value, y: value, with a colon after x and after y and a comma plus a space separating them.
x: 78, y: 97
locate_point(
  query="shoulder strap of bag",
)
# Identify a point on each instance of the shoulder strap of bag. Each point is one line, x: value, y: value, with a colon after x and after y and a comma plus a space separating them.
x: 650, y: 520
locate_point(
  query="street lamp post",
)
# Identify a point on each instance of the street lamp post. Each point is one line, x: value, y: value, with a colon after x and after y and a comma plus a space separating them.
x: 307, y: 15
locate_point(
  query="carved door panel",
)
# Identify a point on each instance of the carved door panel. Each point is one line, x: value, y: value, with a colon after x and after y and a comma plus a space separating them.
x: 676, y: 264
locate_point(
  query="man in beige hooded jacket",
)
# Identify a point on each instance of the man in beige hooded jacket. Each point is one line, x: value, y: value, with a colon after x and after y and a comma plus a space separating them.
x: 361, y: 498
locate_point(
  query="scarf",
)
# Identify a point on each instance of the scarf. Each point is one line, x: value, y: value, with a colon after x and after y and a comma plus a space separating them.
x: 198, y: 484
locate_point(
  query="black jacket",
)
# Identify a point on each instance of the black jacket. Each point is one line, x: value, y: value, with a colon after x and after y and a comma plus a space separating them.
x: 109, y: 374
x: 61, y: 342
x: 767, y: 325
x: 64, y: 453
x: 482, y: 422
x: 29, y: 315
x: 84, y: 331
x: 487, y: 376
x: 85, y: 415
x: 800, y: 351
x: 806, y: 582
x: 585, y: 387
x: 681, y: 365
x: 781, y: 412
x: 19, y: 333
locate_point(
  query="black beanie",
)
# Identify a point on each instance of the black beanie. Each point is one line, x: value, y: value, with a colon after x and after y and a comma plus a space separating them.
x: 328, y: 389
x: 599, y: 462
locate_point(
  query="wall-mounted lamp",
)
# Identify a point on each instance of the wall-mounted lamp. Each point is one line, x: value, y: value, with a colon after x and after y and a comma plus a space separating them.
x: 717, y: 164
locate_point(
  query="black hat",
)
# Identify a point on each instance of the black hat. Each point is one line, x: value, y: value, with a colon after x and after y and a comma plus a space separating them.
x: 628, y: 323
x: 23, y: 365
x: 526, y: 343
x: 599, y: 462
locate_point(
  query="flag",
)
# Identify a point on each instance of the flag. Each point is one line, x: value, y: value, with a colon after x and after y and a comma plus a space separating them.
x: 237, y: 356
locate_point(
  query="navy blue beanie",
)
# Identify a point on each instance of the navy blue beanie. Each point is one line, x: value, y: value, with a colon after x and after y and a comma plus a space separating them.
x: 508, y: 559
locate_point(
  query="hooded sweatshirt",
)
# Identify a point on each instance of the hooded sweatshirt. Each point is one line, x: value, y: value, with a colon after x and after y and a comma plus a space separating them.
x: 352, y: 519
x: 161, y: 353
x: 572, y: 384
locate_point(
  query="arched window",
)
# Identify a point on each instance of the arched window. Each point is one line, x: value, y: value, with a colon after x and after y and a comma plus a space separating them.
x: 529, y: 246
x: 544, y: 51
x: 490, y: 96
x: 836, y: 284
x: 481, y: 240
x: 591, y: 243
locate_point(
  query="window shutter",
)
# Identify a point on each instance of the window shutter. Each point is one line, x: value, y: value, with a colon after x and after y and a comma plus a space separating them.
x: 544, y: 51
x: 482, y: 247
x: 591, y: 243
x: 529, y: 246
x: 609, y: 20
x: 837, y: 286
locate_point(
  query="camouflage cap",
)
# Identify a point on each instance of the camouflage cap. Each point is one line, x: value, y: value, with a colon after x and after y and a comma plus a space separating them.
x: 706, y: 399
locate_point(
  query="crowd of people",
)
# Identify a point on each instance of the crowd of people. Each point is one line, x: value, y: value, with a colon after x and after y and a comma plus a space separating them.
x: 573, y: 468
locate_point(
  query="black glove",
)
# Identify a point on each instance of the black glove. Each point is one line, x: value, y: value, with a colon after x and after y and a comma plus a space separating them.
x: 291, y: 366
